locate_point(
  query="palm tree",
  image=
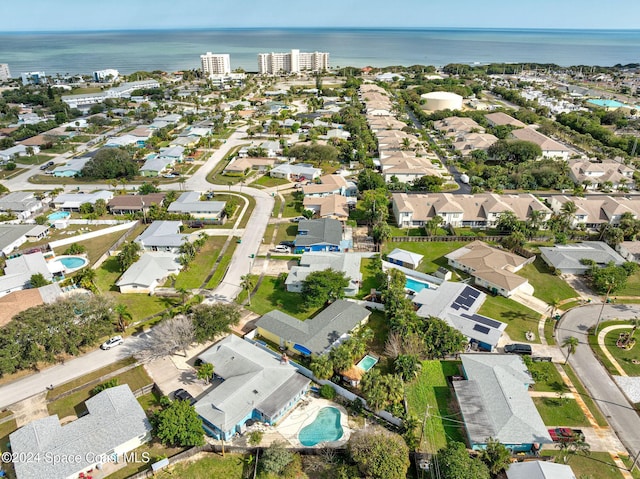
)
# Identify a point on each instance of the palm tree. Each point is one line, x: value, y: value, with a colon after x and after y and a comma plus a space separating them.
x: 123, y: 314
x: 248, y: 284
x: 571, y: 343
x: 205, y: 372
x: 86, y: 279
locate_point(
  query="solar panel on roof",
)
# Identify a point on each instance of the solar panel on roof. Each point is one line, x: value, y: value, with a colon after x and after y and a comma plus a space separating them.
x: 486, y: 321
x: 455, y: 306
x: 481, y: 329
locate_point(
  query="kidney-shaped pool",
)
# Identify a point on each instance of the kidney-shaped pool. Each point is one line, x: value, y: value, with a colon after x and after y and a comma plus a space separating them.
x: 324, y: 428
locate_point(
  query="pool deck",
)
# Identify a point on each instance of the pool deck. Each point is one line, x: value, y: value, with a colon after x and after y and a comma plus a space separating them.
x: 305, y: 413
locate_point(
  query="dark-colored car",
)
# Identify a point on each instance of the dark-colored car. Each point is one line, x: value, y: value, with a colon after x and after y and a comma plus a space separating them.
x: 46, y: 165
x: 518, y: 348
x: 182, y: 395
x: 290, y: 244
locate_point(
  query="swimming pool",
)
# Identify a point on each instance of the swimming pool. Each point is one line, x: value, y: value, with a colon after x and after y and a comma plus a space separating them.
x: 324, y: 428
x: 72, y: 263
x: 415, y: 285
x: 367, y: 363
x: 58, y: 215
x: 606, y: 103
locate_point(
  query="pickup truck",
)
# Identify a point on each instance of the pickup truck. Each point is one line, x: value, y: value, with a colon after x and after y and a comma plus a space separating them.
x: 566, y: 434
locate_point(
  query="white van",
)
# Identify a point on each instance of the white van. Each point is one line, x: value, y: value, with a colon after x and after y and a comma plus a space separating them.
x: 282, y: 249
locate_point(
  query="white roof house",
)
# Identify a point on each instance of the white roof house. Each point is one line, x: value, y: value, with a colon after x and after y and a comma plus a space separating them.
x: 405, y: 258
x: 115, y: 424
x: 124, y: 140
x: 295, y: 172
x: 190, y: 203
x: 22, y: 202
x: 348, y: 263
x: 539, y: 470
x: 154, y: 166
x: 19, y: 150
x: 145, y: 275
x: 71, y: 168
x: 72, y: 201
x: 162, y: 236
x: 12, y: 236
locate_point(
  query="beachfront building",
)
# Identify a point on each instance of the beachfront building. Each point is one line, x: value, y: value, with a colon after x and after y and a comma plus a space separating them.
x: 294, y: 61
x: 122, y: 91
x: 5, y: 74
x: 215, y: 63
x: 33, y: 78
x: 108, y: 75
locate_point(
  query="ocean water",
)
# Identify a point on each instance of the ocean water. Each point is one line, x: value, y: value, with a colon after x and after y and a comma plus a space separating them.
x: 171, y: 50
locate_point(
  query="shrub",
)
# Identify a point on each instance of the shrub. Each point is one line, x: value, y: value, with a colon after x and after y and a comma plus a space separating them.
x: 255, y: 438
x: 111, y: 383
x: 327, y: 392
x: 75, y: 248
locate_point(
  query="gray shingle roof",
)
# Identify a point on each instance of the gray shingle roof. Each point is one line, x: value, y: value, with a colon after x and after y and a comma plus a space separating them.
x: 539, y: 470
x: 115, y: 417
x: 10, y: 233
x: 319, y: 333
x: 189, y: 202
x: 162, y: 234
x: 312, y: 232
x: 253, y: 380
x: 568, y: 256
x: 349, y: 263
x: 150, y: 267
x: 494, y: 400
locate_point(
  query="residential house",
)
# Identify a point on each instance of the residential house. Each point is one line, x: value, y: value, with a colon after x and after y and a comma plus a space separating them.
x: 124, y: 140
x: 330, y: 185
x: 629, y: 250
x: 594, y: 211
x: 71, y: 168
x: 347, y: 263
x: 539, y: 470
x: 458, y: 305
x: 333, y: 206
x: 455, y: 125
x: 73, y: 201
x: 18, y: 271
x: 155, y: 165
x: 21, y: 203
x: 568, y: 258
x: 502, y: 119
x: 190, y: 203
x: 495, y: 403
x: 492, y: 268
x: 149, y: 272
x: 550, y: 148
x: 466, y: 143
x: 17, y: 151
x: 115, y: 424
x: 295, y: 172
x: 131, y: 204
x: 317, y: 335
x: 319, y: 235
x: 408, y: 168
x: 272, y: 148
x: 243, y: 165
x: 476, y: 211
x: 162, y: 236
x: 404, y: 258
x: 605, y: 175
x: 13, y: 236
x: 18, y: 301
x: 251, y: 384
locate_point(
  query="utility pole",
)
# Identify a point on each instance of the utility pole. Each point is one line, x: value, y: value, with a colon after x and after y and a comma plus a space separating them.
x: 424, y: 422
x: 606, y: 299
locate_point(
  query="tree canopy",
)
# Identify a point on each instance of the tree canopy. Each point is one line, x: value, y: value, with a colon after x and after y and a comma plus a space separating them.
x: 380, y: 454
x: 454, y: 462
x: 178, y: 425
x: 321, y: 287
x: 210, y: 320
x: 514, y: 151
x: 110, y: 163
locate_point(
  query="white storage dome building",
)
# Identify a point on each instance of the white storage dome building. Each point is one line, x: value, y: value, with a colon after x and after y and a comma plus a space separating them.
x: 442, y: 100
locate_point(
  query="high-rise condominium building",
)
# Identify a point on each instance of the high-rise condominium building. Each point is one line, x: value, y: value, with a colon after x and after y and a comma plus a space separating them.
x: 5, y: 74
x: 34, y: 78
x: 293, y: 62
x: 215, y: 63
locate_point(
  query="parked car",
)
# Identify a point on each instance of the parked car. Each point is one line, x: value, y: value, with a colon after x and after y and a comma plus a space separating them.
x: 182, y: 395
x: 46, y: 165
x: 518, y: 348
x: 289, y: 244
x: 112, y: 342
x: 282, y: 249
x: 298, y: 219
x: 566, y: 434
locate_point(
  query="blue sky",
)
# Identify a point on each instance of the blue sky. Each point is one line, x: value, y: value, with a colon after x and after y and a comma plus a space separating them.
x: 49, y: 15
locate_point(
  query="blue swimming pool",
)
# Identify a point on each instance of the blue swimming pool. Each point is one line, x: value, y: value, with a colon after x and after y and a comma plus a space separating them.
x: 324, y: 428
x: 58, y: 215
x: 71, y: 263
x: 606, y: 103
x: 367, y: 363
x: 415, y: 285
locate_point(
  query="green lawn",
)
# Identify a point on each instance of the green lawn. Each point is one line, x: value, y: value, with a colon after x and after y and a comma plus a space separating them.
x: 431, y: 388
x: 202, y: 264
x: 597, y: 465
x: 380, y: 327
x: 368, y: 278
x: 34, y: 160
x: 276, y: 206
x: 218, y: 178
x: 519, y: 318
x: 286, y: 232
x: 222, y: 266
x: 248, y: 212
x: 632, y: 288
x: 272, y: 295
x: 155, y: 452
x: 624, y: 357
x: 547, y: 286
x: 73, y: 404
x: 268, y: 182
x: 98, y: 373
x: 292, y: 206
x: 547, y: 378
x: 581, y: 390
x: 560, y: 412
x: 230, y: 466
x: 433, y: 252
x: 6, y: 428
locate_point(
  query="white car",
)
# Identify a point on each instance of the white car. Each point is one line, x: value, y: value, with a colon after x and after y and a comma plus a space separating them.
x: 112, y: 343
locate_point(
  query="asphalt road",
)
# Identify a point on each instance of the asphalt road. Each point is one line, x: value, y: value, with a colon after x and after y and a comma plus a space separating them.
x: 620, y: 414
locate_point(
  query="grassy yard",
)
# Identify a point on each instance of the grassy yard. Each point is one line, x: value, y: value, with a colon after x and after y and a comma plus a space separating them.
x: 6, y: 428
x: 632, y: 288
x: 292, y: 206
x: 286, y: 232
x: 431, y: 388
x: 560, y: 412
x: 155, y: 451
x: 217, y: 177
x: 33, y: 160
x: 597, y: 465
x: 267, y: 182
x: 378, y: 324
x: 98, y: 373
x: 433, y: 252
x: 8, y: 174
x: 519, y: 318
x: 547, y: 286
x: 248, y: 212
x: 230, y: 466
x: 548, y: 331
x: 73, y: 404
x: 368, y: 277
x: 96, y: 247
x: 222, y: 266
x: 202, y: 264
x: 276, y: 206
x: 547, y: 378
x: 273, y: 295
x: 623, y: 356
x: 581, y: 390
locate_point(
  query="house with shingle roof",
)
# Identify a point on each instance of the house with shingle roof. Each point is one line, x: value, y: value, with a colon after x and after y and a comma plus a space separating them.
x: 348, y: 263
x: 550, y: 148
x: 316, y: 335
x: 115, y: 424
x: 148, y: 272
x: 539, y: 470
x: 567, y: 258
x: 495, y: 403
x: 492, y: 268
x: 162, y: 236
x: 502, y: 119
x: 250, y: 384
x: 332, y: 206
x: 319, y: 235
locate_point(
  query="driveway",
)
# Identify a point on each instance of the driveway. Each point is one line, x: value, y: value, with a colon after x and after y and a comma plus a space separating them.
x: 621, y: 415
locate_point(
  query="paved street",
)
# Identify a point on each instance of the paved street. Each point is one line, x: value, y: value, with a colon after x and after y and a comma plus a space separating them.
x: 622, y: 417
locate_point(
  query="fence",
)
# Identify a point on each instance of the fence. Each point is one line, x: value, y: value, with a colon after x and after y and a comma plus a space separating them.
x: 93, y: 234
x: 116, y: 245
x: 421, y: 239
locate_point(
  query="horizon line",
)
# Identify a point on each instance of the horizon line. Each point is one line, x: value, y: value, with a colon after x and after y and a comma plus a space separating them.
x: 397, y: 28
